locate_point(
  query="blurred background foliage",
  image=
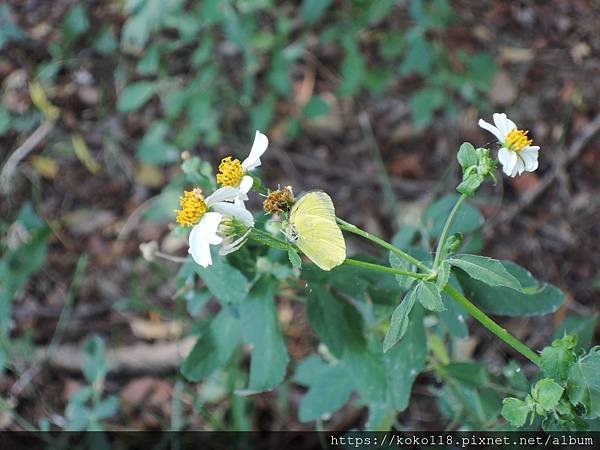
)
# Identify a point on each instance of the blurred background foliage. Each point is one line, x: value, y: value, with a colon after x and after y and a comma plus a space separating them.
x: 113, y: 91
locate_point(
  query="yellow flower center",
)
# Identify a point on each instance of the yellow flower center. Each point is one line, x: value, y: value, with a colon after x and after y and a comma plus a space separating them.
x: 192, y: 209
x: 230, y: 172
x: 516, y: 140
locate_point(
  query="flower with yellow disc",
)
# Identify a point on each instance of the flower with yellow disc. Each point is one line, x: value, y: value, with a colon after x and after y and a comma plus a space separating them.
x: 211, y: 219
x: 234, y: 173
x: 517, y: 155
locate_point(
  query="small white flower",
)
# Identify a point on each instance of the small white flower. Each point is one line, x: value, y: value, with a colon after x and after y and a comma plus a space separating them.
x: 234, y: 173
x: 517, y: 155
x: 206, y: 215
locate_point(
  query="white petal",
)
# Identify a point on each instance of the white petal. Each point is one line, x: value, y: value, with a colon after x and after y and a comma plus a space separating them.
x: 508, y: 159
x: 503, y: 123
x: 258, y: 148
x: 492, y: 129
x: 231, y: 210
x: 202, y: 236
x: 224, y: 194
x: 530, y: 158
x: 246, y: 184
x: 519, y: 167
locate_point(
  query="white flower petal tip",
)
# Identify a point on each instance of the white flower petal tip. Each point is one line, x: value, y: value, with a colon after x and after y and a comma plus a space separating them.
x: 261, y: 142
x: 203, y: 235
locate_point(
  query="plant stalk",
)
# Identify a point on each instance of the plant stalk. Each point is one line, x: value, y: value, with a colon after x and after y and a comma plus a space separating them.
x: 445, y: 231
x: 493, y: 326
x: 386, y: 269
x: 346, y: 226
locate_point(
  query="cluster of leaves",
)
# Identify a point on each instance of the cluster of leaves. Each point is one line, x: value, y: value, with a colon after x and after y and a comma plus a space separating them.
x: 569, y: 397
x: 23, y: 253
x: 377, y: 331
x: 242, y: 56
x: 87, y: 407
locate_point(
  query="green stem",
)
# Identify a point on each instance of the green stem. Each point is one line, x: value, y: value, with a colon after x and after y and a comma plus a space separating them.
x: 386, y: 269
x: 445, y: 231
x: 346, y: 226
x: 493, y: 326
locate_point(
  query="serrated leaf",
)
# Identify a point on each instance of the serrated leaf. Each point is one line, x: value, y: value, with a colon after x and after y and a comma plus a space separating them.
x: 399, y: 320
x: 401, y: 264
x: 487, y: 270
x: 583, y: 383
x: 214, y: 348
x: 337, y: 323
x: 558, y: 358
x: 225, y: 282
x: 406, y: 360
x: 325, y: 396
x: 443, y: 275
x: 429, y: 296
x: 261, y: 330
x: 546, y: 393
x: 534, y: 299
x: 515, y: 411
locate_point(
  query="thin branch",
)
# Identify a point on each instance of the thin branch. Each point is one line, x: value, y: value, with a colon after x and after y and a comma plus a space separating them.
x: 21, y: 153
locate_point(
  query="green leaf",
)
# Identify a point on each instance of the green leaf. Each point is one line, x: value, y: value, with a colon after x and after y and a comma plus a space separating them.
x: 469, y: 185
x: 225, y: 282
x: 75, y: 23
x: 260, y: 329
x: 400, y: 320
x: 515, y: 411
x: 396, y: 262
x: 95, y: 365
x: 313, y: 10
x: 532, y: 300
x: 327, y: 394
x: 309, y: 370
x: 546, y: 393
x: 213, y: 348
x: 581, y: 326
x: 583, y: 383
x: 429, y: 296
x: 153, y: 148
x: 424, y: 103
x: 487, y: 270
x: 470, y: 374
x: 316, y: 107
x: 558, y: 358
x: 135, y: 95
x: 353, y: 68
x: 337, y: 323
x: 443, y: 275
x: 294, y: 258
x: 467, y: 220
x: 467, y: 156
x: 406, y: 360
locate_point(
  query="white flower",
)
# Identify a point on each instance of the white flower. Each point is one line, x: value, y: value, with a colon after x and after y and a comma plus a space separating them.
x: 206, y: 215
x: 234, y: 173
x: 517, y: 155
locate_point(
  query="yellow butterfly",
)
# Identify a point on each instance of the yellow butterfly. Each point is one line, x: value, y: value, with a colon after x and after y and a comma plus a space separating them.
x: 312, y: 227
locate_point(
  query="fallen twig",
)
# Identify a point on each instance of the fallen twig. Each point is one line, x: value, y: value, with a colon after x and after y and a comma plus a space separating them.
x: 159, y: 357
x: 20, y: 153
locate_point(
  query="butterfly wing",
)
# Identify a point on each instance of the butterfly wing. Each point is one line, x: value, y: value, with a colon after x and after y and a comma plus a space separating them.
x: 319, y: 237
